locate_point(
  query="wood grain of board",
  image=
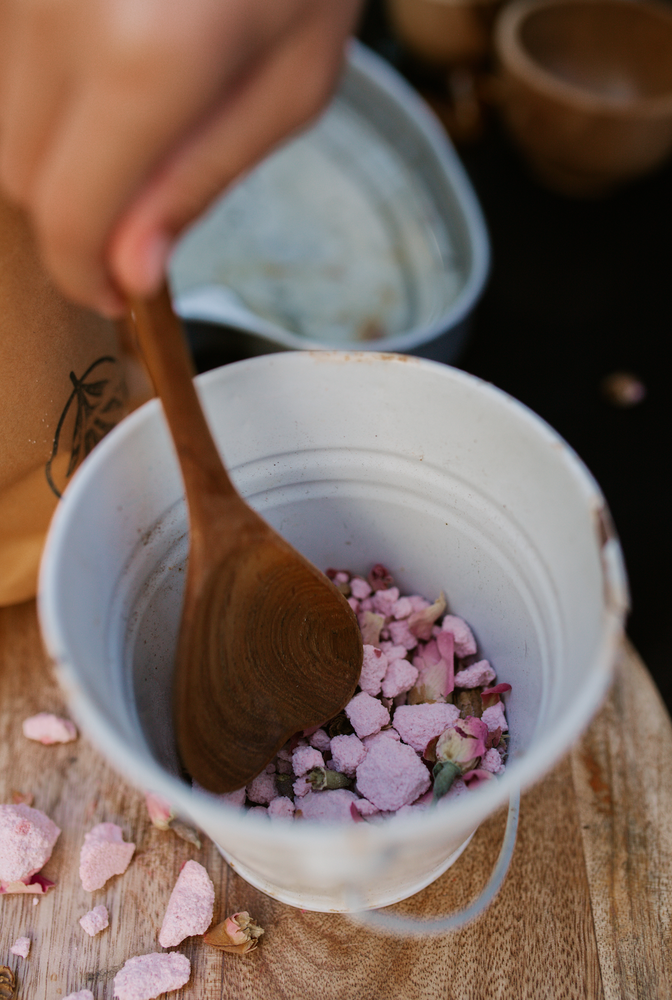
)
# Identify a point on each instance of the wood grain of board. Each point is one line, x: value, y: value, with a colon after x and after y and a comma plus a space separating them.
x: 584, y: 912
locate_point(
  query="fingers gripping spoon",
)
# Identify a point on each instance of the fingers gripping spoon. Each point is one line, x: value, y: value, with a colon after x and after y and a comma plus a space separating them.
x: 267, y: 645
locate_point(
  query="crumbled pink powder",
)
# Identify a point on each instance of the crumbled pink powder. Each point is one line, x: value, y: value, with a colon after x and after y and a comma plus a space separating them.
x: 477, y: 675
x: 402, y: 608
x: 80, y: 995
x: 385, y: 734
x: 27, y: 838
x: 492, y: 761
x: 401, y: 634
x: 418, y: 724
x: 399, y: 678
x: 329, y: 806
x: 48, y: 728
x: 190, y: 906
x: 262, y: 788
x: 148, y: 976
x: 392, y: 775
x: 494, y: 718
x: 374, y: 668
x: 347, y: 753
x: 304, y: 759
x: 281, y: 807
x: 359, y: 588
x: 384, y: 600
x: 104, y: 853
x: 21, y: 947
x: 465, y: 644
x: 95, y: 921
x: 320, y: 740
x: 366, y: 714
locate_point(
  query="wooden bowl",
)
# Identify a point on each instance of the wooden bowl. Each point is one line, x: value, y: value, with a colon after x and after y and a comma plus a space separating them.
x: 444, y: 32
x: 586, y: 88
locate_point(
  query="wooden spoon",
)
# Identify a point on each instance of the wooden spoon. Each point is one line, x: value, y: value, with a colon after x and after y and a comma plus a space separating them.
x: 267, y: 646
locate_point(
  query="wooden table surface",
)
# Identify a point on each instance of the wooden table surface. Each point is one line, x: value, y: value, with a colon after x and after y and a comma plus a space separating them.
x: 585, y: 910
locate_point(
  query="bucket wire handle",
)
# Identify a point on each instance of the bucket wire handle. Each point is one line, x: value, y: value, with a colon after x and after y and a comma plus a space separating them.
x: 408, y: 927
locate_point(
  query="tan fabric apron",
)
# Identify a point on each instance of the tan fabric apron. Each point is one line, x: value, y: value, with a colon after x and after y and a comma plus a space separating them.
x: 67, y: 376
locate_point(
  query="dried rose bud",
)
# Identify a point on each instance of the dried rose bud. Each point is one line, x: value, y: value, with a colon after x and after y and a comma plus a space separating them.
x: 185, y: 832
x: 340, y: 725
x: 458, y: 751
x: 322, y: 778
x: 420, y: 622
x: 380, y: 578
x: 436, y: 681
x: 7, y: 983
x: 463, y: 742
x: 237, y: 934
x: 160, y: 811
x: 22, y: 798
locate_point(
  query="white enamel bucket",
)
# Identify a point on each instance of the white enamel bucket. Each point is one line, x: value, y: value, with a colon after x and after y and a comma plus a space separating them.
x: 356, y: 458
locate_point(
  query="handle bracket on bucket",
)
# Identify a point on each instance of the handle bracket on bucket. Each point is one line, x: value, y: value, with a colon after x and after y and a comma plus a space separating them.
x: 389, y: 923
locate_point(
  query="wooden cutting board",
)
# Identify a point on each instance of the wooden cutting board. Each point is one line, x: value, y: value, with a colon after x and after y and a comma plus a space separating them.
x: 585, y: 910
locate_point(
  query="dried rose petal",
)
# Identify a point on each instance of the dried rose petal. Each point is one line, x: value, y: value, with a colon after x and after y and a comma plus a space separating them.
x: 436, y: 677
x: 420, y: 622
x: 370, y: 625
x: 380, y: 577
x: 237, y: 935
x: 479, y: 776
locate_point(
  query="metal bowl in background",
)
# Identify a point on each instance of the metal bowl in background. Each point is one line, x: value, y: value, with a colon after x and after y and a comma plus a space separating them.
x: 363, y: 233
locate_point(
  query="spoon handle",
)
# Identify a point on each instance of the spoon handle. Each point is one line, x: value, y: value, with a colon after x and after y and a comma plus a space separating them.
x: 165, y: 351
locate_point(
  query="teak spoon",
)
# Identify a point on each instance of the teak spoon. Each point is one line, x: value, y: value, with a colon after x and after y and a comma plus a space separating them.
x: 267, y: 644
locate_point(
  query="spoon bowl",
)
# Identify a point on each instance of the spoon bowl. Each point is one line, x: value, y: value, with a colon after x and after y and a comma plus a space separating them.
x: 268, y: 646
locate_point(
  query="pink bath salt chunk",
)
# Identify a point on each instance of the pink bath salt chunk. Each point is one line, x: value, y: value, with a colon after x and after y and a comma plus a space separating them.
x: 190, y: 906
x: 418, y: 724
x: 354, y: 604
x: 148, y: 976
x: 95, y: 921
x: 465, y: 644
x: 393, y: 652
x: 401, y: 608
x: 418, y: 603
x: 80, y: 995
x: 477, y: 675
x: 341, y: 576
x: 365, y: 808
x: 104, y: 853
x: 21, y: 947
x: 384, y: 600
x: 347, y: 753
x: 391, y: 776
x: 359, y: 588
x: 262, y: 789
x: 401, y: 635
x: 235, y: 799
x: 494, y: 718
x: 47, y: 728
x: 27, y: 838
x: 374, y: 668
x: 258, y: 811
x: 366, y: 714
x: 320, y: 740
x: 492, y: 761
x: 304, y: 759
x: 400, y: 677
x: 332, y: 806
x: 281, y: 807
x: 384, y: 734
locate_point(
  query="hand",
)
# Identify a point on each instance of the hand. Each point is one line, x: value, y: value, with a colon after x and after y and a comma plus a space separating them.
x: 121, y: 120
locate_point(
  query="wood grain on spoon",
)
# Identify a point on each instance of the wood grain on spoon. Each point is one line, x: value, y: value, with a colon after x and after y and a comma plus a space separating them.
x: 267, y: 644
